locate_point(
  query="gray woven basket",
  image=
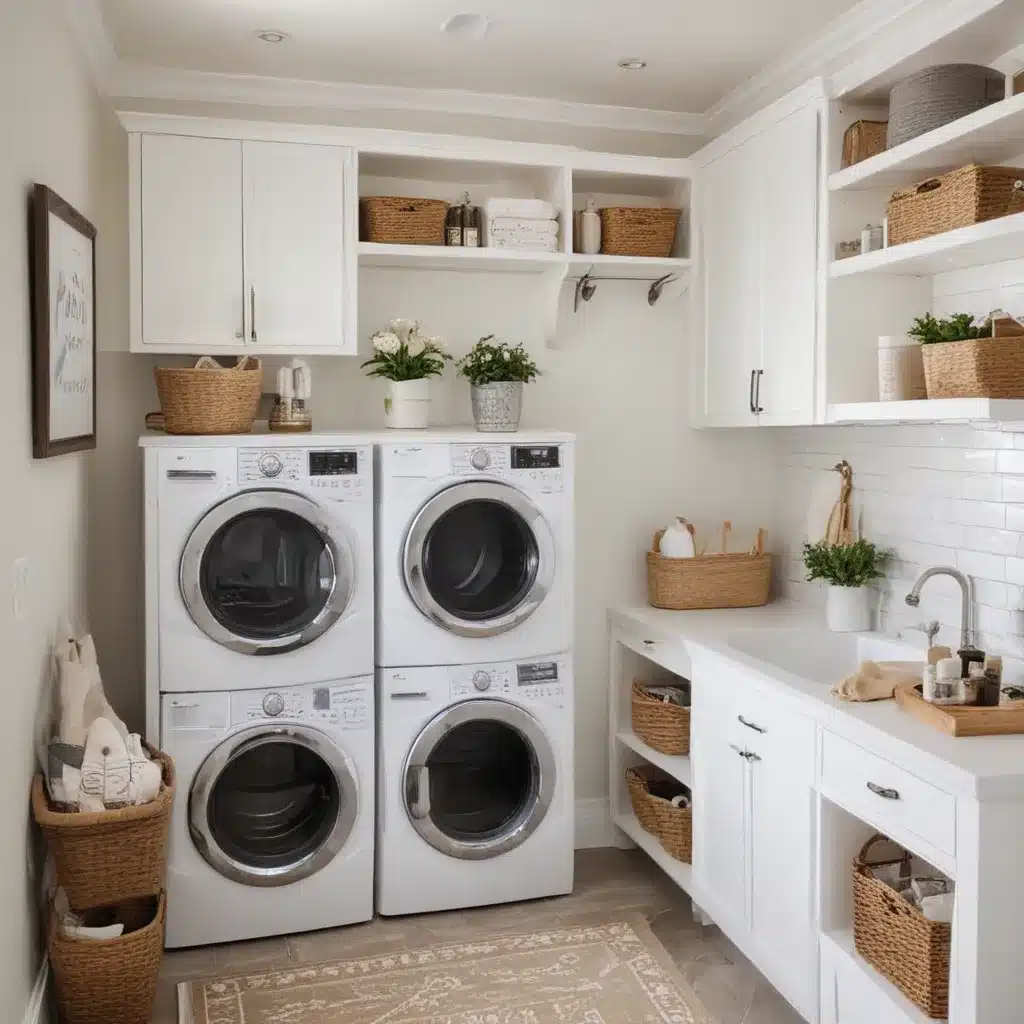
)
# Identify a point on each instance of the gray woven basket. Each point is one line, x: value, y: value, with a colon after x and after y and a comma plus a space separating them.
x: 931, y: 98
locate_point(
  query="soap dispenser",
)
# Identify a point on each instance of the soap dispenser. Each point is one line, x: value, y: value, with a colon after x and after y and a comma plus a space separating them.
x: 590, y: 230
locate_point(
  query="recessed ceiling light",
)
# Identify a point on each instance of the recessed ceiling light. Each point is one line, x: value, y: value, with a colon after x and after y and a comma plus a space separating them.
x: 632, y: 64
x: 467, y: 25
x: 272, y: 35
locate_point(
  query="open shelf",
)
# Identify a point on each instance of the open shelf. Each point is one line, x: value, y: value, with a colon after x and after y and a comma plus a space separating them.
x: 680, y: 873
x: 934, y: 410
x: 676, y: 766
x: 992, y: 241
x: 992, y: 135
x: 629, y: 266
x: 440, y: 257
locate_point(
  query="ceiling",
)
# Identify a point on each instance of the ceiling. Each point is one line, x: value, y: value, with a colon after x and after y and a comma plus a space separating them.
x: 554, y: 49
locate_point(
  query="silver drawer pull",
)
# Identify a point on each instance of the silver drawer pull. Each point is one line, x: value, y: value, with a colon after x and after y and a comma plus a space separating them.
x: 191, y: 474
x: 750, y: 725
x: 751, y: 756
x: 884, y: 791
x: 742, y: 753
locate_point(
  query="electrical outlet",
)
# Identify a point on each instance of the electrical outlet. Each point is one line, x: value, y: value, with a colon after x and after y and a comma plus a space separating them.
x: 21, y: 588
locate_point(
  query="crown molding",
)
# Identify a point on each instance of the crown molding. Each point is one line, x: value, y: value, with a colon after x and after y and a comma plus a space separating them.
x: 84, y: 19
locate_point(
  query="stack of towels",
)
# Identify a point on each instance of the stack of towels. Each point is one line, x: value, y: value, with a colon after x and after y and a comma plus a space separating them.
x: 529, y: 225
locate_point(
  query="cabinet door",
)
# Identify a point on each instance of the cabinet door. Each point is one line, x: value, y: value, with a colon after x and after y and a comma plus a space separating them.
x: 731, y: 294
x: 295, y: 246
x: 788, y: 271
x: 190, y: 256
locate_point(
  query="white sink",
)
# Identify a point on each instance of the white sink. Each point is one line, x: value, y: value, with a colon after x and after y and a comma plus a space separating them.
x: 817, y: 654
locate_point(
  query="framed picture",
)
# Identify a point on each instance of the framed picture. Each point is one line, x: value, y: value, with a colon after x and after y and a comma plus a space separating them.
x: 63, y: 282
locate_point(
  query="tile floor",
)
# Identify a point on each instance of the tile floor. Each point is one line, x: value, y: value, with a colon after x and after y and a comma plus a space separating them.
x: 607, y: 881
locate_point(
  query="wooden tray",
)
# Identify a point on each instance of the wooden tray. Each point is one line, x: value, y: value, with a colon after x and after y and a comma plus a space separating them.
x: 958, y: 720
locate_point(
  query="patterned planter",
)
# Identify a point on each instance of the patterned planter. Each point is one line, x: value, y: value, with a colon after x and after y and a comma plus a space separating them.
x: 497, y: 407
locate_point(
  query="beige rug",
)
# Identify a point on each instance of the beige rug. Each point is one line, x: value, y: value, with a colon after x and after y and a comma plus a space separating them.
x: 615, y: 973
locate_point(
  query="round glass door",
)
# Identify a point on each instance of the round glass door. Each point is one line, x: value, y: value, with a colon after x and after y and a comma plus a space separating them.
x: 272, y: 807
x: 261, y: 573
x: 479, y: 558
x: 479, y: 779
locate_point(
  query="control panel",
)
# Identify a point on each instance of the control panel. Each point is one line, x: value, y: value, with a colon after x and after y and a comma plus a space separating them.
x: 531, y: 467
x: 541, y: 680
x: 344, y: 473
x: 346, y: 705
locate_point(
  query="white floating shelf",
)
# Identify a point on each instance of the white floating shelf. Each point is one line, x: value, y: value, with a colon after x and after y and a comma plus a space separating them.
x: 989, y: 242
x: 640, y: 267
x: 992, y: 135
x: 676, y: 766
x: 440, y: 257
x: 680, y: 873
x: 935, y: 410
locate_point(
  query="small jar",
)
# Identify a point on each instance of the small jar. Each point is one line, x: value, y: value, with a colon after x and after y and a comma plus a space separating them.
x: 948, y: 684
x: 900, y: 369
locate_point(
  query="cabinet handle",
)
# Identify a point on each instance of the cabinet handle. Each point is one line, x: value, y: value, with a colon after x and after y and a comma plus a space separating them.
x: 884, y: 791
x: 751, y: 756
x: 753, y: 375
x: 252, y: 312
x: 742, y: 753
x: 758, y: 407
x: 750, y: 725
x: 648, y: 643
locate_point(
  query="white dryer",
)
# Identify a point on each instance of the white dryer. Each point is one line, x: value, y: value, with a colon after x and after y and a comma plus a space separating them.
x: 259, y: 561
x: 474, y: 549
x: 475, y: 784
x: 273, y: 822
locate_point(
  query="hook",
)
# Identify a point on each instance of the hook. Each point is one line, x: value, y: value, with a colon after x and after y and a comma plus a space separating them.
x: 654, y: 292
x: 585, y: 288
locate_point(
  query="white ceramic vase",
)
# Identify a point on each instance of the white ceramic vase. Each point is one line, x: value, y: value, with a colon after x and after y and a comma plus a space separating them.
x: 849, y: 609
x: 407, y: 404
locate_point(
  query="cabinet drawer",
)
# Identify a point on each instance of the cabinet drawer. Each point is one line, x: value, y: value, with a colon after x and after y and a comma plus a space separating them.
x: 772, y: 728
x: 862, y: 781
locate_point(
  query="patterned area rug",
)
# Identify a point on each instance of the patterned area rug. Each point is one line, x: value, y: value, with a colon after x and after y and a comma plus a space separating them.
x: 615, y: 973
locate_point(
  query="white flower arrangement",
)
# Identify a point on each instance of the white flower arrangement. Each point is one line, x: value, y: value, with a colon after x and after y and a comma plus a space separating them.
x: 401, y: 351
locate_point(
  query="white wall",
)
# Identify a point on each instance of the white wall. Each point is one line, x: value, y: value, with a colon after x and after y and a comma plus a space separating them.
x: 54, y: 131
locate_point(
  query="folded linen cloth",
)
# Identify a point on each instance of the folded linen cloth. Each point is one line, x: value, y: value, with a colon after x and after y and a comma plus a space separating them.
x: 543, y: 243
x: 521, y: 227
x: 531, y: 209
x: 878, y: 680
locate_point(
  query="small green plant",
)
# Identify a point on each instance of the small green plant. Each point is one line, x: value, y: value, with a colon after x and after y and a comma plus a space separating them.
x: 402, y: 352
x: 494, y: 362
x: 958, y: 327
x: 844, y: 565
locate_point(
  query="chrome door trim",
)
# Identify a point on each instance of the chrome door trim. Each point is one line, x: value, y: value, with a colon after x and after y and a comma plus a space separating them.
x: 338, y: 549
x: 248, y: 739
x: 414, y: 775
x: 438, y: 506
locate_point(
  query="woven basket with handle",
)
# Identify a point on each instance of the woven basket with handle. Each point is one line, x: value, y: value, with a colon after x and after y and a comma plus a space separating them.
x: 979, y: 367
x: 210, y: 399
x: 673, y: 826
x: 895, y: 937
x: 660, y: 723
x: 638, y: 231
x: 402, y: 220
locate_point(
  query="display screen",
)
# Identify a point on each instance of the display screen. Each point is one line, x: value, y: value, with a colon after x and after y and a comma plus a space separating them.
x: 539, y: 672
x: 321, y: 699
x: 333, y: 463
x: 545, y: 457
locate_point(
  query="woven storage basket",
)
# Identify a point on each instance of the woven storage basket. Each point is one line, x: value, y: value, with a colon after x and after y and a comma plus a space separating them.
x: 673, y: 826
x: 979, y: 368
x: 896, y: 938
x: 863, y: 139
x: 110, y: 981
x: 638, y: 231
x: 660, y: 724
x: 205, y: 400
x: 966, y: 196
x: 400, y: 220
x: 714, y: 581
x: 103, y: 857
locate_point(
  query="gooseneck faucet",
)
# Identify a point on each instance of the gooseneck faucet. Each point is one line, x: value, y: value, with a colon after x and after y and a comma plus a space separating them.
x: 967, y: 606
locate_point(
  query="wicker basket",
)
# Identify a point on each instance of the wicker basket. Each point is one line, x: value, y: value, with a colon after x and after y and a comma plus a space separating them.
x: 103, y: 981
x: 979, y: 368
x: 399, y: 220
x: 638, y: 231
x: 969, y: 195
x: 896, y: 938
x: 863, y: 139
x: 714, y: 581
x: 673, y: 826
x: 660, y: 724
x: 210, y: 400
x: 104, y: 857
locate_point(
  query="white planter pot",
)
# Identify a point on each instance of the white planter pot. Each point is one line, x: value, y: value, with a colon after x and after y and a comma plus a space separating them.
x: 407, y: 404
x: 849, y: 609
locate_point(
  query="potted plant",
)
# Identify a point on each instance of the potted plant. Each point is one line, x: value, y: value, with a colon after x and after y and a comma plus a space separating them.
x: 848, y: 569
x: 407, y: 359
x: 497, y: 372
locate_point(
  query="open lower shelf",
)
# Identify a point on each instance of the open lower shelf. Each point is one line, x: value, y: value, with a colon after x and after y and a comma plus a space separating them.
x: 676, y: 766
x: 933, y: 410
x: 680, y: 873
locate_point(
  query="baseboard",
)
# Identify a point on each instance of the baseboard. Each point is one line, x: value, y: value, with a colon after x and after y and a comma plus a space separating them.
x: 594, y: 824
x: 36, y: 1011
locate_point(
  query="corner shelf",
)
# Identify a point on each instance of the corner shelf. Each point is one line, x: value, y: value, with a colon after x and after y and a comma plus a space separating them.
x: 676, y: 766
x: 933, y: 410
x: 680, y: 873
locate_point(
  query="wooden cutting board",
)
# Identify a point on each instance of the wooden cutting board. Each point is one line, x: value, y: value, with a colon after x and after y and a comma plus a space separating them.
x: 959, y: 720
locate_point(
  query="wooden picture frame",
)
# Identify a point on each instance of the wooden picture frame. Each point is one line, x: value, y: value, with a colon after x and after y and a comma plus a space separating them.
x: 62, y: 260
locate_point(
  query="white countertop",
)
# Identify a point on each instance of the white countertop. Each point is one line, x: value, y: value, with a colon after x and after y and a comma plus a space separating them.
x: 978, y: 766
x: 315, y: 438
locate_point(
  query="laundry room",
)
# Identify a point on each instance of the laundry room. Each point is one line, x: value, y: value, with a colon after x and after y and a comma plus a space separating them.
x: 515, y: 513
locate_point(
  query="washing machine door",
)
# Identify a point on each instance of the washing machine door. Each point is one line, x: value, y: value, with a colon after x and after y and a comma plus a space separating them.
x: 273, y: 804
x: 265, y: 572
x: 479, y: 558
x: 479, y: 779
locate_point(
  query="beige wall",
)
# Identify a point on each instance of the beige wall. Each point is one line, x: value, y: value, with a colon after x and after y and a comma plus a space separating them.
x: 55, y: 131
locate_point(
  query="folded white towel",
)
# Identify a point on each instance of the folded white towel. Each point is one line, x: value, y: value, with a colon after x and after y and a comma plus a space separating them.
x: 543, y: 243
x: 538, y: 209
x: 508, y: 226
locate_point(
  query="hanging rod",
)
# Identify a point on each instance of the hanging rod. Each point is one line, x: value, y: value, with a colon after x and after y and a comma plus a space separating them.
x: 586, y: 286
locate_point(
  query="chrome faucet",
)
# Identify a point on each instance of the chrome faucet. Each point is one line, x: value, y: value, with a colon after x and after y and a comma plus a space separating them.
x: 967, y: 606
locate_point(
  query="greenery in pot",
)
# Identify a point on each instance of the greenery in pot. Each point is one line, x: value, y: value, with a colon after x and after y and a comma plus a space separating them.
x: 497, y: 362
x: 958, y: 327
x: 844, y: 565
x: 401, y: 351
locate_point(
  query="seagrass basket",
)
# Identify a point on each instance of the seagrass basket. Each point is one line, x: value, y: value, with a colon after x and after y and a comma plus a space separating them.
x: 662, y: 725
x: 210, y: 399
x: 638, y: 231
x: 402, y: 220
x: 673, y: 826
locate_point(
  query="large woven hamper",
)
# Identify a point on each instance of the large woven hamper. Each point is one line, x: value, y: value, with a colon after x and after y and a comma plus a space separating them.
x: 968, y: 195
x: 662, y: 725
x: 895, y: 937
x: 402, y: 220
x: 638, y: 231
x: 103, y: 857
x: 673, y: 826
x: 110, y: 981
x: 714, y: 581
x: 210, y: 400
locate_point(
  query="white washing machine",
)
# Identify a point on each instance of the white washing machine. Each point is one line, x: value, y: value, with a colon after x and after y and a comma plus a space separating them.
x: 474, y: 549
x: 475, y: 794
x: 259, y: 561
x: 273, y: 824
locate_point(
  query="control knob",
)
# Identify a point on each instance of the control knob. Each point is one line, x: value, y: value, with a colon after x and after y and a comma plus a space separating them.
x: 480, y: 459
x: 270, y: 464
x: 482, y: 681
x: 273, y: 704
